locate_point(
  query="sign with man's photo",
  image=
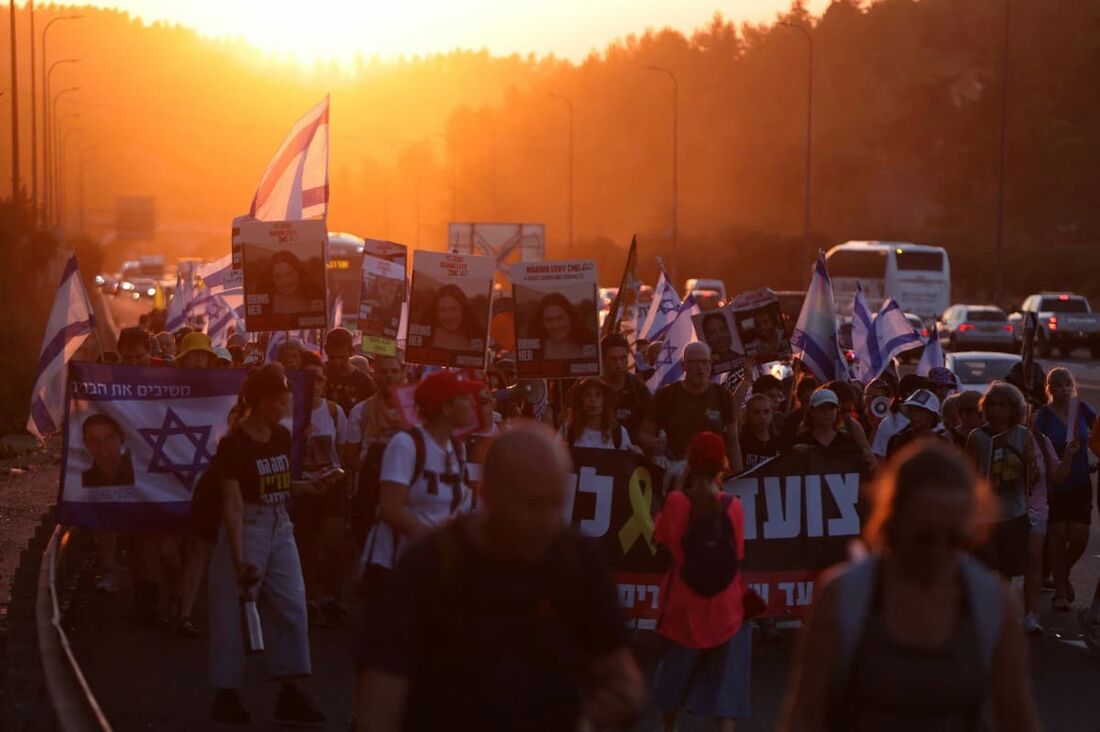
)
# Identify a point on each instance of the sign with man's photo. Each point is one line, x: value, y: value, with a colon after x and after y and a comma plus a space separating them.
x: 380, y: 303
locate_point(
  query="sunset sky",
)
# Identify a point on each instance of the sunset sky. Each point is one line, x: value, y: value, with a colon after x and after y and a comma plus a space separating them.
x: 341, y: 28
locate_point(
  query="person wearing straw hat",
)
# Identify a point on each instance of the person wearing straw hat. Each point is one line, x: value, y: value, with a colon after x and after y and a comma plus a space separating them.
x: 196, y: 352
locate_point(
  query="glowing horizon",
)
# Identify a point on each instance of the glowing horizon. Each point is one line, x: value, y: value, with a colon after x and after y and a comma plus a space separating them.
x: 340, y: 30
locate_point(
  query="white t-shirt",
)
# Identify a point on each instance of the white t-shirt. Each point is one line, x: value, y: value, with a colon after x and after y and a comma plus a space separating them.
x: 440, y: 493
x: 323, y: 436
x: 894, y: 423
x: 595, y: 438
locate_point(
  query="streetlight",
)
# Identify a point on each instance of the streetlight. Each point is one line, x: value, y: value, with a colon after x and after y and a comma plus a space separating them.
x: 80, y: 190
x: 1001, y: 162
x: 61, y: 174
x: 569, y: 104
x: 675, y: 165
x: 46, y: 100
x: 53, y: 172
x: 46, y: 138
x: 809, y: 133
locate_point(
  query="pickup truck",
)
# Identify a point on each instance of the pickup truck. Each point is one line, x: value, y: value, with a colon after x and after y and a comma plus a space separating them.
x: 1065, y: 320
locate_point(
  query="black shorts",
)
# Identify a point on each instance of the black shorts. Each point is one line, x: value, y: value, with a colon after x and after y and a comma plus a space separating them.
x: 1006, y: 550
x: 1070, y: 507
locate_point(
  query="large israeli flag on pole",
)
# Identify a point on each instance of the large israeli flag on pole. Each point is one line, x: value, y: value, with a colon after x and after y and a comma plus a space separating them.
x: 669, y: 367
x: 180, y: 306
x: 663, y: 309
x: 71, y: 322
x: 814, y: 341
x: 933, y: 353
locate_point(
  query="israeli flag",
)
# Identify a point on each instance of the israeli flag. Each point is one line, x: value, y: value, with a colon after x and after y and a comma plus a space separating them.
x: 669, y: 367
x: 663, y: 310
x: 814, y: 341
x: 181, y: 306
x: 71, y: 322
x: 933, y: 353
x: 891, y: 335
x: 222, y: 321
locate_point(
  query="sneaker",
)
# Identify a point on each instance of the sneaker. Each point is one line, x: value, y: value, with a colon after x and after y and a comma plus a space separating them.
x: 295, y: 708
x: 333, y: 612
x: 107, y: 584
x: 1031, y: 625
x: 228, y: 708
x: 1090, y: 630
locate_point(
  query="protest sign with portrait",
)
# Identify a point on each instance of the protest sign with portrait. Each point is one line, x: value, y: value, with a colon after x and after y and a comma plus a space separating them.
x: 449, y: 309
x: 716, y: 329
x: 556, y: 319
x: 284, y: 275
x: 382, y: 295
x: 758, y: 319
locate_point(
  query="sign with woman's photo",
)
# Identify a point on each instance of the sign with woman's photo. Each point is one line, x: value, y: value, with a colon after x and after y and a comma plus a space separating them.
x: 284, y: 275
x: 382, y: 295
x: 556, y: 319
x: 758, y: 319
x: 449, y: 309
x: 716, y: 329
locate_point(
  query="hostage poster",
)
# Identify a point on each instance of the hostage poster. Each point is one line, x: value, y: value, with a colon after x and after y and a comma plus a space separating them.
x: 758, y: 320
x: 449, y: 309
x: 284, y: 275
x: 556, y: 319
x: 137, y: 439
x: 380, y: 304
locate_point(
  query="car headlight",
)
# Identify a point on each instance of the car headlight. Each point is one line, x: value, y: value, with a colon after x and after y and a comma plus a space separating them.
x: 127, y: 286
x: 99, y: 280
x: 137, y: 295
x: 151, y: 291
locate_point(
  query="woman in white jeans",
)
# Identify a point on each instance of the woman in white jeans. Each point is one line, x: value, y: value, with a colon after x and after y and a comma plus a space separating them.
x: 256, y: 554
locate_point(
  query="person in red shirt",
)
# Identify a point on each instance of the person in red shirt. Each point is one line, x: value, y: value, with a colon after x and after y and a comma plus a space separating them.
x: 706, y: 666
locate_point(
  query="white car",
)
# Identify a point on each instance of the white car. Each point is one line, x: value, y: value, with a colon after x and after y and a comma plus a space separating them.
x: 976, y: 369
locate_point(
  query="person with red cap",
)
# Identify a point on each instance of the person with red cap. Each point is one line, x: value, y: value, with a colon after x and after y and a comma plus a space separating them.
x: 706, y: 667
x: 424, y: 481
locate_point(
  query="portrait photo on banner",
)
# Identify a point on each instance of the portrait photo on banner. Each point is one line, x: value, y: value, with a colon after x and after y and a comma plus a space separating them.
x: 556, y: 319
x: 284, y: 275
x: 716, y: 329
x: 449, y: 309
x: 381, y: 298
x: 758, y: 319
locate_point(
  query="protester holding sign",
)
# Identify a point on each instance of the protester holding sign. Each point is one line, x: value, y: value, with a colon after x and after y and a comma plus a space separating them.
x: 256, y: 555
x: 706, y: 668
x: 590, y: 417
x: 345, y: 385
x: 919, y: 607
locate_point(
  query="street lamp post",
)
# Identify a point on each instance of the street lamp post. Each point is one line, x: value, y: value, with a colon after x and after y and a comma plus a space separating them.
x: 47, y: 139
x: 569, y: 105
x: 1002, y: 159
x: 675, y: 167
x: 53, y: 129
x: 61, y: 174
x: 809, y: 137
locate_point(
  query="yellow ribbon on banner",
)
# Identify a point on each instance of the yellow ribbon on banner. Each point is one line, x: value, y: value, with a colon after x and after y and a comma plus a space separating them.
x: 640, y: 523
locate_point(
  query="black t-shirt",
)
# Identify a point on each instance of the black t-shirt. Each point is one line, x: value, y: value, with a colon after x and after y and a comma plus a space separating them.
x: 349, y: 389
x: 755, y: 451
x: 490, y: 645
x: 907, y: 434
x: 682, y: 415
x: 261, y: 468
x: 792, y: 423
x: 632, y: 404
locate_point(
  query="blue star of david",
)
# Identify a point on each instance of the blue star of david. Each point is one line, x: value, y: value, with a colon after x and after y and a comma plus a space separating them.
x: 667, y: 352
x: 667, y: 306
x: 157, y: 437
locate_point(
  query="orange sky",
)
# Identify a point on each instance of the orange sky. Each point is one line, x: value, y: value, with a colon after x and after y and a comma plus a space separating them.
x: 342, y: 28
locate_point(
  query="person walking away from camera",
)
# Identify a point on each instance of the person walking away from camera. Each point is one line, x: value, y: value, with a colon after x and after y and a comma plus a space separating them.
x: 918, y: 635
x: 590, y: 417
x: 505, y: 619
x: 256, y: 554
x: 706, y: 666
x: 1071, y: 498
x: 424, y: 482
x: 1005, y: 454
x: 371, y: 426
x: 345, y: 385
x: 632, y: 396
x: 320, y: 518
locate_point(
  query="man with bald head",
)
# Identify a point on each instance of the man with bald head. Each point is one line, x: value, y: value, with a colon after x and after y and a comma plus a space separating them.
x: 687, y: 407
x: 504, y: 619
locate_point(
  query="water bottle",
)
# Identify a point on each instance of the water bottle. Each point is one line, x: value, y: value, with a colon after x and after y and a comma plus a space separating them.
x: 251, y: 628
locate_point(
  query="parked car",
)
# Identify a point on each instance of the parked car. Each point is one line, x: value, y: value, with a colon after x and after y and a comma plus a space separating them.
x: 976, y: 369
x: 1065, y: 322
x: 696, y: 285
x: 976, y: 327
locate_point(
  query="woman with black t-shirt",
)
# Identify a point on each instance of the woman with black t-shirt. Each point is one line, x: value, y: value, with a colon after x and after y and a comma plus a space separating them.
x: 256, y: 554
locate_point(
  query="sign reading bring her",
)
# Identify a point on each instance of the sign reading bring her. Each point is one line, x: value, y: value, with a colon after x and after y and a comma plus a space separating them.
x: 556, y: 319
x: 449, y: 309
x: 284, y: 274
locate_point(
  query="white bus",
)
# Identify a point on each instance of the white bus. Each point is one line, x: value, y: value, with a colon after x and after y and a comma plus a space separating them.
x: 916, y: 275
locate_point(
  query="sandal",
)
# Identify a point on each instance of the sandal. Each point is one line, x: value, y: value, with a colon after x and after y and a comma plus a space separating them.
x: 1060, y: 604
x: 188, y: 629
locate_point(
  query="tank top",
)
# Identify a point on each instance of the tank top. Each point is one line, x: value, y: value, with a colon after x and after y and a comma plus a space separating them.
x: 900, y: 687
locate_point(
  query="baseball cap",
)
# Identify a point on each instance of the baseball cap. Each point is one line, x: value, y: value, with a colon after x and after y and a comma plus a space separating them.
x: 441, y: 387
x: 706, y: 453
x: 921, y: 399
x: 824, y: 396
x: 942, y: 376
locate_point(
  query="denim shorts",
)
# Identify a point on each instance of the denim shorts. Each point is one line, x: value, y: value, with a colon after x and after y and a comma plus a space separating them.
x: 710, y: 682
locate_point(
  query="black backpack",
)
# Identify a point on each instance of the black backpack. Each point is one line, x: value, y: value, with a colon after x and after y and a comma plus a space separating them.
x: 710, y: 558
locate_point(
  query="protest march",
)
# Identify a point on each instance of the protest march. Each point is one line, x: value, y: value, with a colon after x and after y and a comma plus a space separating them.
x: 485, y: 484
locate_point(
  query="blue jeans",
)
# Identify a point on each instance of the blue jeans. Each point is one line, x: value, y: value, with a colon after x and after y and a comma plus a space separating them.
x: 268, y: 543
